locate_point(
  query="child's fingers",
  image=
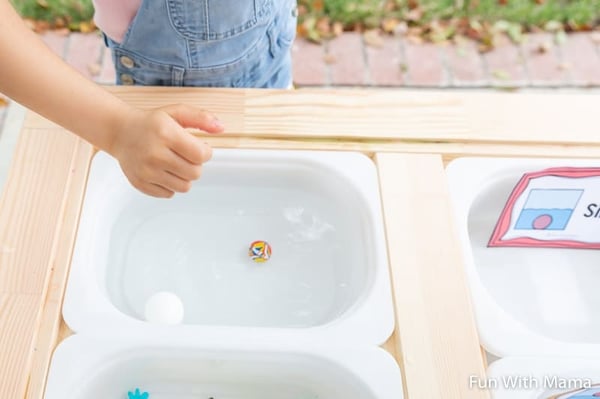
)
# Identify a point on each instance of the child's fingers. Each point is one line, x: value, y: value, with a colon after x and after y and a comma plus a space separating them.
x: 173, y: 183
x: 182, y: 168
x: 191, y: 148
x: 188, y: 116
x: 155, y: 190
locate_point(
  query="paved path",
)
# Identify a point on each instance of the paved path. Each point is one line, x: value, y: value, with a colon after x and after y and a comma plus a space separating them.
x: 348, y: 61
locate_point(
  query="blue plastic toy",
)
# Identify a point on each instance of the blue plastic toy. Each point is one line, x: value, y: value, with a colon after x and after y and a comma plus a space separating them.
x: 138, y: 395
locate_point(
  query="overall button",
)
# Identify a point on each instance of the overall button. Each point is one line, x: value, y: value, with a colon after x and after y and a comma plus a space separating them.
x: 127, y: 62
x: 126, y: 79
x: 295, y: 12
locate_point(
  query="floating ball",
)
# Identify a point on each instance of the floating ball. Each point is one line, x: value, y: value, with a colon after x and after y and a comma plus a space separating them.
x: 260, y: 251
x: 164, y: 308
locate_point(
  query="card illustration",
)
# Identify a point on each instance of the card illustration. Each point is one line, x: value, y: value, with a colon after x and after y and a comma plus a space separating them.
x: 557, y: 207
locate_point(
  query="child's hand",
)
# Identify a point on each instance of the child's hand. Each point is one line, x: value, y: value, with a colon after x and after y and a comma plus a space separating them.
x: 158, y: 156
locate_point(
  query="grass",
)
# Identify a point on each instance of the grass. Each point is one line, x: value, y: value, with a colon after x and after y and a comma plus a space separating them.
x: 576, y: 14
x: 571, y: 14
x: 59, y: 13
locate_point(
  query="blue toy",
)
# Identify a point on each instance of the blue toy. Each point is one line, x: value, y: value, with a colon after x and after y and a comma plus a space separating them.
x: 138, y: 395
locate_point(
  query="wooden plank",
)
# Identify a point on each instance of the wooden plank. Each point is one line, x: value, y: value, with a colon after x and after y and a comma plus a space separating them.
x: 31, y: 214
x: 309, y: 113
x: 533, y: 117
x: 18, y: 321
x: 353, y: 114
x: 426, y: 116
x: 227, y: 104
x: 31, y: 209
x: 448, y: 150
x: 51, y: 330
x: 436, y: 336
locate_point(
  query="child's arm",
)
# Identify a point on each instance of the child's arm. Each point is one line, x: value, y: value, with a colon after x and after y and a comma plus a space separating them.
x: 156, y: 153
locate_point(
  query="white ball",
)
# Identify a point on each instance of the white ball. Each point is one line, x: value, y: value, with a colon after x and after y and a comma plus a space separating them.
x: 164, y: 308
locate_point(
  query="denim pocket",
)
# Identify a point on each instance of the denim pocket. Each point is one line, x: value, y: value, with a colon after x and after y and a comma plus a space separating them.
x: 217, y: 19
x: 282, y: 30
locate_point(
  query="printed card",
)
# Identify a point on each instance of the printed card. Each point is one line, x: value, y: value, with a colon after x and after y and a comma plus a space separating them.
x: 558, y: 207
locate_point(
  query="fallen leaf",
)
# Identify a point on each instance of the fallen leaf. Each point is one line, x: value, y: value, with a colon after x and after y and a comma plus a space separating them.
x: 3, y: 102
x: 515, y: 32
x: 302, y: 10
x: 373, y: 38
x: 416, y: 40
x: 501, y: 74
x: 501, y: 26
x: 62, y: 32
x: 560, y: 37
x: 371, y: 22
x: 553, y: 26
x: 311, y: 33
x: 564, y: 66
x: 389, y: 25
x: 415, y: 31
x: 329, y: 59
x: 484, y: 48
x: 440, y: 33
x: 389, y: 6
x: 338, y: 28
x: 314, y: 36
x: 60, y: 22
x: 318, y: 5
x: 414, y: 15
x: 476, y: 25
x: 403, y: 67
x: 323, y: 26
x: 401, y: 28
x: 41, y: 26
x: 301, y: 30
x: 543, y: 47
x: 87, y: 27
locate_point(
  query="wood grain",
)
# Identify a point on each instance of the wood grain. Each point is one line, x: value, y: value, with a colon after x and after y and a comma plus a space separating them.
x: 19, y: 314
x: 449, y: 151
x: 406, y: 115
x: 436, y: 338
x: 32, y: 211
x: 52, y: 329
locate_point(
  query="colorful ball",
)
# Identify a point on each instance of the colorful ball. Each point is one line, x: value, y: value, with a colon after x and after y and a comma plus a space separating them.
x: 259, y: 251
x: 164, y: 308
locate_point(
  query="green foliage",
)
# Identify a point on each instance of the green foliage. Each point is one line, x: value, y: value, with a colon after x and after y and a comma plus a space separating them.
x: 67, y: 11
x: 574, y: 14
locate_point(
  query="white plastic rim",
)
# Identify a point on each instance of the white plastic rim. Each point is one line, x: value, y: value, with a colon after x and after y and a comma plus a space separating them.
x: 99, y: 369
x: 503, y: 332
x: 367, y: 318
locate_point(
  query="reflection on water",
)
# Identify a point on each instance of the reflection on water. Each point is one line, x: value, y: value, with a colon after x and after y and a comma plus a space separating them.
x: 309, y: 227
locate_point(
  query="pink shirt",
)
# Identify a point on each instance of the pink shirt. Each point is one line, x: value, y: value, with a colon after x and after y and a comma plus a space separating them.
x: 114, y: 16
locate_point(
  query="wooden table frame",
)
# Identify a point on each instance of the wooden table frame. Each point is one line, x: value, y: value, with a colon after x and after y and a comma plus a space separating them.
x: 409, y: 135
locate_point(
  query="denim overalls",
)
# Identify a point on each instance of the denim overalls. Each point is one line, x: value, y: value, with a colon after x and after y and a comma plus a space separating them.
x: 209, y: 43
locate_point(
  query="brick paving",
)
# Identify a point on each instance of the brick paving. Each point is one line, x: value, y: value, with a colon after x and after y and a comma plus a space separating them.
x: 396, y: 61
x: 350, y: 60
